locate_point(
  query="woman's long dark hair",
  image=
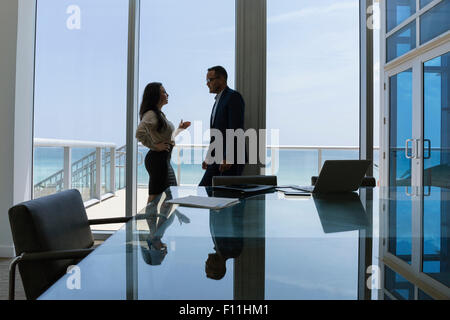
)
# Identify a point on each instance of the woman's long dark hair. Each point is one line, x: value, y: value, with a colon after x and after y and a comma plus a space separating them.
x: 150, y: 99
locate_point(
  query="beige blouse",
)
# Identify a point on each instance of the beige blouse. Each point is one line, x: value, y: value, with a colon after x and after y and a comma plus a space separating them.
x: 147, y: 132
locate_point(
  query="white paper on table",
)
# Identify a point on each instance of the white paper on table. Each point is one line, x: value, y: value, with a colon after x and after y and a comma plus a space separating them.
x: 204, y: 202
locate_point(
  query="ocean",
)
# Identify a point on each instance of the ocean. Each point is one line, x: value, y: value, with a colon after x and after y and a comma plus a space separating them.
x: 294, y: 167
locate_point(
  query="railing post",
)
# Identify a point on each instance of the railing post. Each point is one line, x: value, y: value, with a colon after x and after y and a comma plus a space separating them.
x: 319, y: 157
x: 272, y: 160
x: 120, y: 170
x: 67, y: 168
x: 98, y: 173
x: 112, y: 171
x: 178, y: 166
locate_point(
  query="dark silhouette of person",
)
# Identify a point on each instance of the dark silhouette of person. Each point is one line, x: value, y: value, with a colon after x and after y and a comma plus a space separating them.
x: 158, y: 134
x: 226, y: 228
x: 227, y: 114
x: 159, y: 216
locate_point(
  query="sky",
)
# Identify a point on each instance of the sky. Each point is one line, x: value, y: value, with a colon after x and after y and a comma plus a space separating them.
x: 81, y: 61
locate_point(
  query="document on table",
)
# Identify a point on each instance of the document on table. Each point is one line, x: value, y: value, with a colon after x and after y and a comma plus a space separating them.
x: 204, y: 202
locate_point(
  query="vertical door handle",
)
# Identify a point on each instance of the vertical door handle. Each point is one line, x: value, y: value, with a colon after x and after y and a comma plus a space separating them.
x: 406, y: 149
x: 407, y: 193
x: 429, y: 148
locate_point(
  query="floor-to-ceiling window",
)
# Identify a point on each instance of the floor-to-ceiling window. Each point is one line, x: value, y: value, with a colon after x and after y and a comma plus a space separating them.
x: 179, y: 41
x: 312, y: 85
x: 313, y: 102
x: 80, y: 100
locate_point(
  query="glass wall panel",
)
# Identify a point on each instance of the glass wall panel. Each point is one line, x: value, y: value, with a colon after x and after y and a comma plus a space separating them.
x: 400, y: 224
x: 434, y: 22
x: 398, y: 11
x: 423, y: 296
x: 401, y: 42
x: 436, y: 234
x: 80, y: 98
x: 179, y: 41
x: 312, y: 84
x: 436, y: 77
x: 398, y: 286
x: 400, y: 127
x: 436, y: 170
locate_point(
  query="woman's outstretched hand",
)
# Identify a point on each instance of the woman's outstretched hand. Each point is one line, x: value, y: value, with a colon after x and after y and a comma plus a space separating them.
x: 184, y: 125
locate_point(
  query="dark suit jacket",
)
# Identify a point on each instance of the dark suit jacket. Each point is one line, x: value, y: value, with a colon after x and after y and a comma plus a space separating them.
x: 229, y: 115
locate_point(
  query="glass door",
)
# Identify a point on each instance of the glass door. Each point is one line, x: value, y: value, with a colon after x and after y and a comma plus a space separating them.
x: 401, y: 144
x: 436, y: 122
x: 419, y: 120
x: 402, y: 150
x: 419, y: 170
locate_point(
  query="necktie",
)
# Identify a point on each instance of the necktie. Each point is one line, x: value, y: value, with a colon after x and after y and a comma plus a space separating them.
x: 213, y: 114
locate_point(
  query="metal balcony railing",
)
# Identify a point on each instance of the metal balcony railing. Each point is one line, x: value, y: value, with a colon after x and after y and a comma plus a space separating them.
x: 85, y: 174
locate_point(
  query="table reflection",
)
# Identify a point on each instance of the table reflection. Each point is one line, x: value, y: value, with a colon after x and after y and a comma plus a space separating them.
x: 417, y: 254
x: 269, y: 247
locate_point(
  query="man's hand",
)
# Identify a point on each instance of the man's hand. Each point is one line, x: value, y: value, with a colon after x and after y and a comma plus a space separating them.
x: 163, y: 146
x: 224, y: 166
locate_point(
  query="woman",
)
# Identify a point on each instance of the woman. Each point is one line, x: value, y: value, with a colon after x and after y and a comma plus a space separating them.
x: 158, y: 134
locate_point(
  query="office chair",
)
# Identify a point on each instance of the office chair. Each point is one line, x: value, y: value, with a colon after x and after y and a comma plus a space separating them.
x: 366, y: 182
x: 50, y: 234
x: 231, y: 180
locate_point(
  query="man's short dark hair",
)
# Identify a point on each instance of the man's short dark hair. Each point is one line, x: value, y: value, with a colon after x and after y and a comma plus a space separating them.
x: 219, y: 72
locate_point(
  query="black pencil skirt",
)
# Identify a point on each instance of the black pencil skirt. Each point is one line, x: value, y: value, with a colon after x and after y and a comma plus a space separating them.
x: 160, y: 171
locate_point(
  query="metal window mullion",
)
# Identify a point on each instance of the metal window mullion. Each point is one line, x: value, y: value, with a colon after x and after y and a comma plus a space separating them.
x: 251, y: 67
x: 132, y: 107
x: 366, y: 86
x: 132, y: 147
x: 397, y: 28
x: 251, y: 51
x: 384, y: 110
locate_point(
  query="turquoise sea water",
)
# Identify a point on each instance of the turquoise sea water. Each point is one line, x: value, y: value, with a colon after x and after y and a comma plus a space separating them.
x: 294, y: 166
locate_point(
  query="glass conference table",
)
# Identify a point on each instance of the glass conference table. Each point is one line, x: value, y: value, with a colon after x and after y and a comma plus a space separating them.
x: 265, y: 247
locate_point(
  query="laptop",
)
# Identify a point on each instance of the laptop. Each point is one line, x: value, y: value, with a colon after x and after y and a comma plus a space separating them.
x: 339, y: 176
x: 245, y: 188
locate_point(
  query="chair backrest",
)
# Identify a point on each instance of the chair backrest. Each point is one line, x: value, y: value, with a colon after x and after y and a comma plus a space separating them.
x: 230, y: 180
x: 55, y: 222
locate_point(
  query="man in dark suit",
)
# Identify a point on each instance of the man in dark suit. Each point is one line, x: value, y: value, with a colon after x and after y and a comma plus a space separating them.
x: 228, y: 113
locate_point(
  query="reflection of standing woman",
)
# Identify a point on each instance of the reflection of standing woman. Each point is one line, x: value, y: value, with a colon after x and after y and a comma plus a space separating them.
x: 158, y: 134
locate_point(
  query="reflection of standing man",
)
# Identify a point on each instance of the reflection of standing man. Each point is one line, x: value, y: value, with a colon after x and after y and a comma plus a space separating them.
x: 227, y: 113
x: 227, y: 229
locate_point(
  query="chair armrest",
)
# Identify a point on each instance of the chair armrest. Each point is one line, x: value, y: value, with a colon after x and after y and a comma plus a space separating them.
x: 109, y: 220
x: 55, y: 255
x: 44, y: 255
